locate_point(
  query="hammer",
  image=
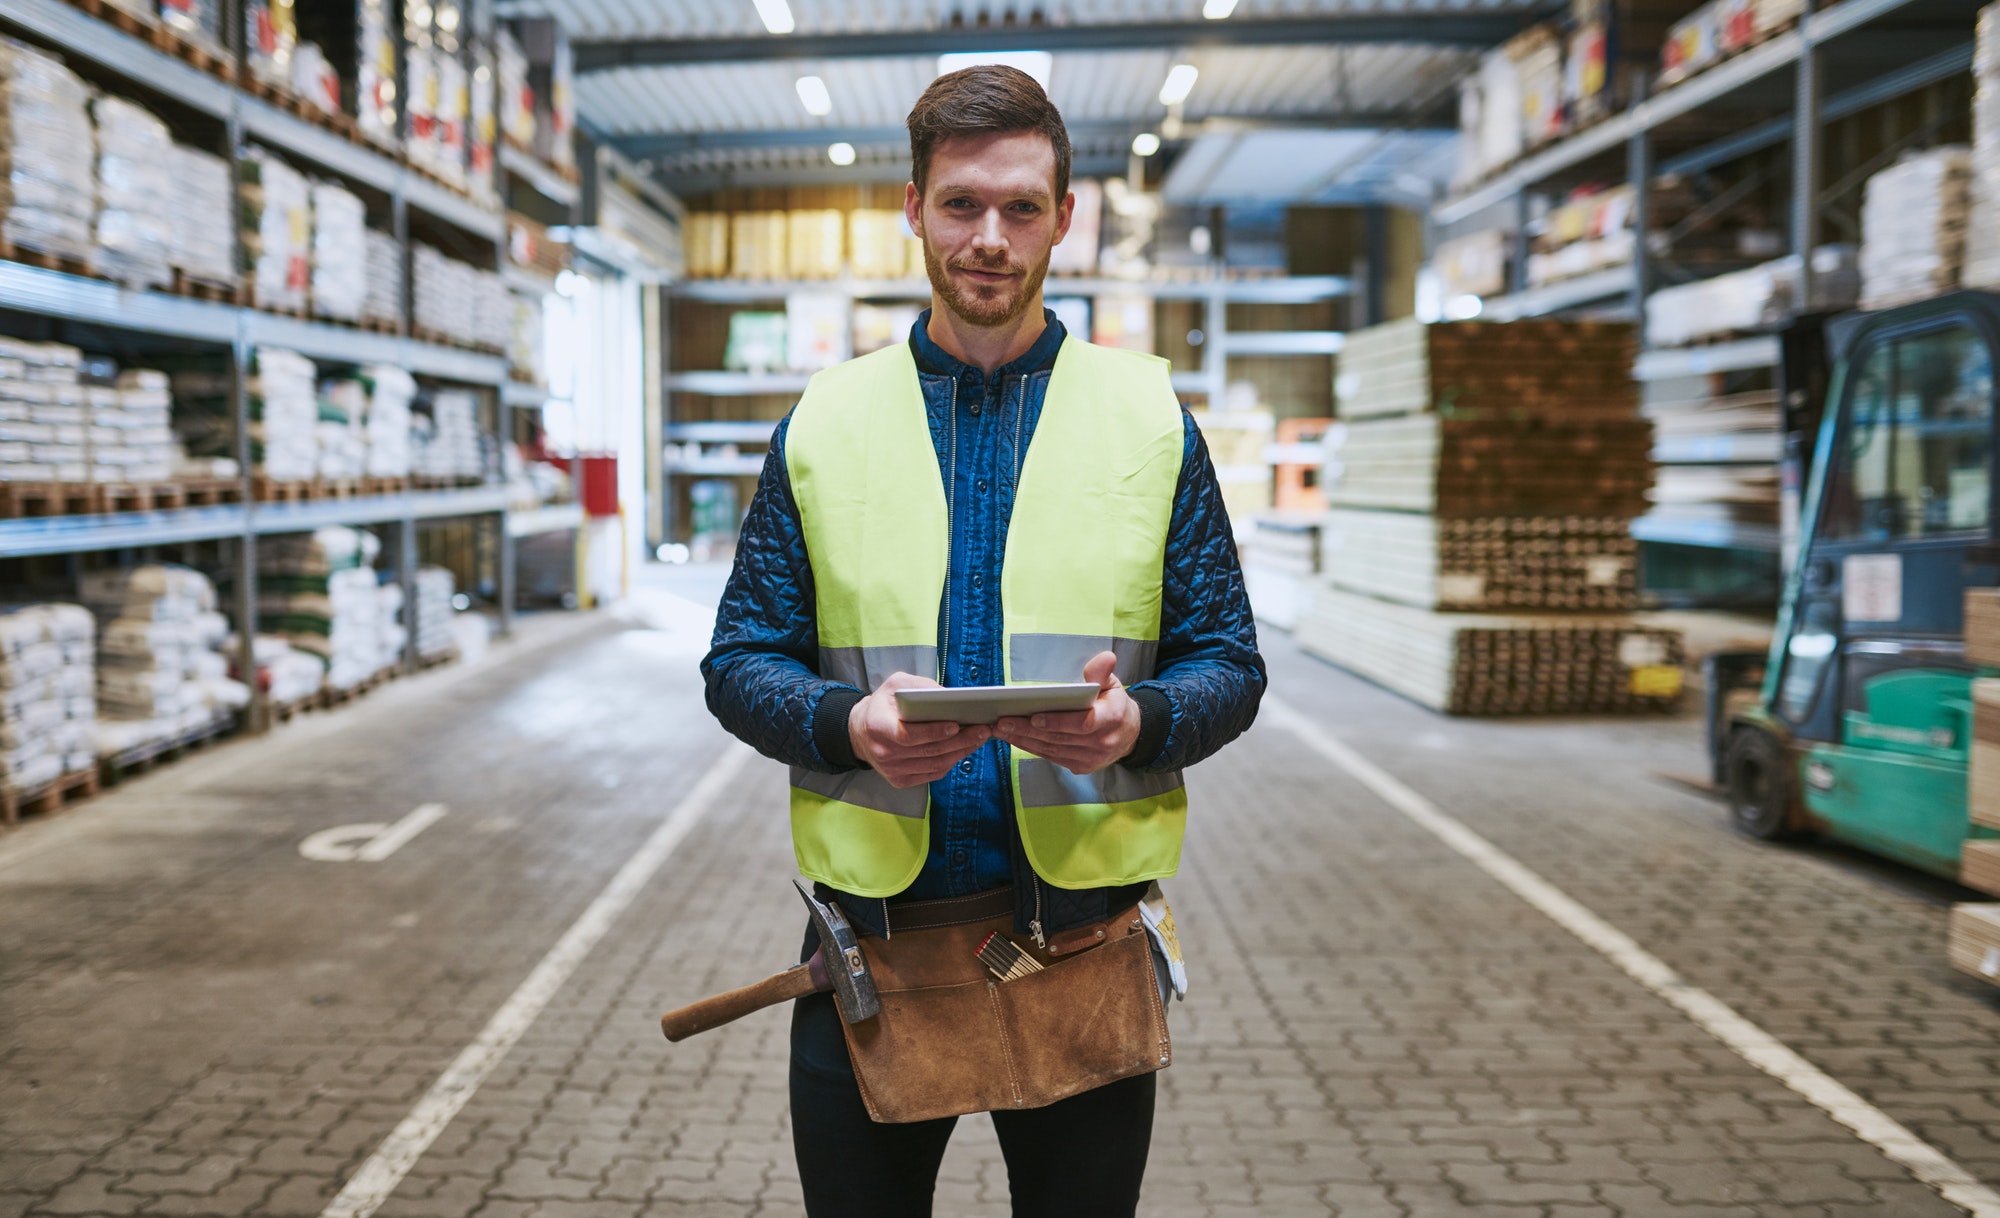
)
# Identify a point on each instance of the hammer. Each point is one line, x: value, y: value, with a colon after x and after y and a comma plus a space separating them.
x: 838, y: 965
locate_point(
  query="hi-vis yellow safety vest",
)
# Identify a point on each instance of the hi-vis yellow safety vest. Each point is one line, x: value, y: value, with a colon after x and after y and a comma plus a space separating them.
x: 1086, y: 551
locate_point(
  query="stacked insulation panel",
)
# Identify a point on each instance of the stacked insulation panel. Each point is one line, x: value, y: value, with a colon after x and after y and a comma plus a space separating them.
x: 48, y: 185
x: 162, y: 676
x: 1913, y: 227
x: 134, y: 233
x: 1492, y: 470
x: 47, y: 695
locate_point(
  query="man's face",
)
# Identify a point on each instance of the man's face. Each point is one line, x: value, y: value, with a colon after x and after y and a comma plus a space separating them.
x: 989, y: 219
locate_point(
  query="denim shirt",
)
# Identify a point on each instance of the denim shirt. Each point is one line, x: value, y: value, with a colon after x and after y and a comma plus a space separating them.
x: 761, y: 671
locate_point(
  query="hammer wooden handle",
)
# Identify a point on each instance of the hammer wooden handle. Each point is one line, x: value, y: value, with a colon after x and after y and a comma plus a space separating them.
x: 713, y: 1012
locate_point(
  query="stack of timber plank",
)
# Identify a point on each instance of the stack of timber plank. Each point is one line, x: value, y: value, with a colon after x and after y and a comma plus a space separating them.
x: 1979, y: 866
x: 1975, y: 940
x: 1477, y: 554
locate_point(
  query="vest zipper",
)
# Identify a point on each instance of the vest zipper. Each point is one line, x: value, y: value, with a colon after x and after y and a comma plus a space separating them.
x: 1020, y: 421
x: 950, y: 526
x: 1035, y: 924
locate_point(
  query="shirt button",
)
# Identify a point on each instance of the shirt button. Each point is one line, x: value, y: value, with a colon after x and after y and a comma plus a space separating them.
x: 982, y: 486
x: 966, y: 765
x: 978, y: 581
x: 976, y: 408
x: 958, y: 856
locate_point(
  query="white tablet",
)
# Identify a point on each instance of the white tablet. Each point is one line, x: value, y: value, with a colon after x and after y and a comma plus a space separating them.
x: 988, y: 703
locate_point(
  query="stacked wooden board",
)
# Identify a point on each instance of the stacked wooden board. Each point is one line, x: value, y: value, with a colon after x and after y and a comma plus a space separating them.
x: 1975, y: 940
x: 1495, y: 469
x: 1979, y: 865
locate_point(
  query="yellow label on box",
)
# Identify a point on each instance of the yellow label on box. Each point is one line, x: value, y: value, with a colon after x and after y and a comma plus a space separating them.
x: 1656, y: 680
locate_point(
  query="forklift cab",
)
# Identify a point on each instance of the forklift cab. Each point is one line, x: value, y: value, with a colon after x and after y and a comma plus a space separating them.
x: 1863, y: 726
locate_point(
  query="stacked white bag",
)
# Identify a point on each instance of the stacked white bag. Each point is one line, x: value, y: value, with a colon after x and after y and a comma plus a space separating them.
x: 204, y: 235
x: 46, y: 695
x: 435, y: 589
x: 285, y: 410
x: 131, y: 430
x: 46, y: 173
x: 135, y: 176
x: 387, y: 430
x: 43, y: 437
x: 446, y: 445
x: 382, y: 260
x: 1913, y: 227
x: 318, y: 591
x: 339, y: 266
x: 1982, y: 237
x: 277, y: 230
x: 342, y: 434
x: 162, y: 675
x: 395, y: 636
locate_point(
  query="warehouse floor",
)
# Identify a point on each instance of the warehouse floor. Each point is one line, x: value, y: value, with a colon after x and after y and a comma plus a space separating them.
x: 198, y: 1019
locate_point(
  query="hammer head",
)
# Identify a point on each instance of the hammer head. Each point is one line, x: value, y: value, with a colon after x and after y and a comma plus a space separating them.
x: 840, y: 948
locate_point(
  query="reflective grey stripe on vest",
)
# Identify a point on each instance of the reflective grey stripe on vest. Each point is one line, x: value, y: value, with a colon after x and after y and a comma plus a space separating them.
x: 1061, y: 657
x: 867, y: 667
x: 865, y: 789
x: 1044, y: 784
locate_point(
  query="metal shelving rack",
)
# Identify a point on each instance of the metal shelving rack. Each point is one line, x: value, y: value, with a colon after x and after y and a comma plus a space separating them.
x: 1840, y: 60
x: 1219, y: 346
x: 103, y: 48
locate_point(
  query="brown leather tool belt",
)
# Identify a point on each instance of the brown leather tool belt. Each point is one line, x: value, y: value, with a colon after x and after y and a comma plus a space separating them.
x: 953, y: 1038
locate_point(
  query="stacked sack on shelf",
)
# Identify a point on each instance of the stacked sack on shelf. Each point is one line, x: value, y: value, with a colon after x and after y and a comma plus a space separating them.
x: 1913, y: 227
x: 276, y: 231
x: 386, y: 431
x: 318, y: 591
x: 135, y: 176
x: 341, y: 436
x: 131, y: 434
x: 1982, y: 235
x: 458, y: 302
x: 47, y: 695
x: 284, y: 415
x: 382, y: 300
x: 339, y: 233
x: 161, y: 675
x: 42, y: 412
x: 204, y: 238
x: 286, y: 674
x: 46, y: 188
x: 445, y: 443
x: 435, y: 590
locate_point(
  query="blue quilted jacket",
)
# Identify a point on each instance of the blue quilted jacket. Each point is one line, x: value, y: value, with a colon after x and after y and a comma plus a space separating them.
x: 761, y: 670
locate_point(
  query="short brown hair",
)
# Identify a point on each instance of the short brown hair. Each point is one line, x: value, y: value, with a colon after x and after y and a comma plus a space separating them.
x: 987, y: 98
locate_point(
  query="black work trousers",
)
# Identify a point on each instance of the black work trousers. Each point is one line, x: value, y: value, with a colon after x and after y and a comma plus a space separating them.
x: 1083, y: 1157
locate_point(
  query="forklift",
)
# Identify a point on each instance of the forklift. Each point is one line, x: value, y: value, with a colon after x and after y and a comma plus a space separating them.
x: 1860, y: 726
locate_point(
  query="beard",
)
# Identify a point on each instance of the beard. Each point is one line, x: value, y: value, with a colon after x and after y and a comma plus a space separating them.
x: 982, y: 305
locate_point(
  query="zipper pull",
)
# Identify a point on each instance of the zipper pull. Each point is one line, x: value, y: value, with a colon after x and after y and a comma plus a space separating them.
x: 1036, y: 927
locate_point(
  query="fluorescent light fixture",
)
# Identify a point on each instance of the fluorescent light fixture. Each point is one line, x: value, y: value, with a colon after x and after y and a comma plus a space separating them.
x: 1463, y: 308
x: 1145, y: 143
x: 1217, y: 10
x: 1180, y: 83
x: 777, y: 15
x: 1034, y: 63
x: 812, y: 91
x: 841, y: 153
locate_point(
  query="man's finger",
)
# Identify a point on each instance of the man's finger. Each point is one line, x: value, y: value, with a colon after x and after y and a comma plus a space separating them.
x: 1043, y: 746
x: 1098, y: 671
x: 1065, y: 723
x: 955, y: 746
x: 924, y: 733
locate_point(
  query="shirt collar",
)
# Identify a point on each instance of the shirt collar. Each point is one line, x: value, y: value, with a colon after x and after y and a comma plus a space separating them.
x: 936, y: 361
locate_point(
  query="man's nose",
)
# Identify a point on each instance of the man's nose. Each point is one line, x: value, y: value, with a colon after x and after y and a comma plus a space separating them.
x: 989, y: 236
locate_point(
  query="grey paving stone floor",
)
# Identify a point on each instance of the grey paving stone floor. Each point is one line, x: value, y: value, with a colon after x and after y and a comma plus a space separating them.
x: 196, y: 1020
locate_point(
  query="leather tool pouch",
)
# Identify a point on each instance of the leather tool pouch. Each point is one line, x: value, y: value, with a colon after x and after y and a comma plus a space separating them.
x: 954, y: 1039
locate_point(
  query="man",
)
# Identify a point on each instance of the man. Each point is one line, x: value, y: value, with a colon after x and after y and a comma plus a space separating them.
x: 993, y: 501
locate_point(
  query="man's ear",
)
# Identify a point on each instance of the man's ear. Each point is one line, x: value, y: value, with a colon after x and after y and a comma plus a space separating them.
x: 913, y: 208
x: 1064, y: 214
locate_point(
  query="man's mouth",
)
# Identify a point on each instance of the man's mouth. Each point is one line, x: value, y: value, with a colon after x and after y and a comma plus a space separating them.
x: 981, y: 276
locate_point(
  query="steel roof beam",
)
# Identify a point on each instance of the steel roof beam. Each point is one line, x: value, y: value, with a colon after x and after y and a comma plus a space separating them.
x: 653, y: 147
x: 1464, y: 29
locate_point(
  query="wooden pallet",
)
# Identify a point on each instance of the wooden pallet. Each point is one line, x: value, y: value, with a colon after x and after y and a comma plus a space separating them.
x: 49, y: 262
x: 203, y: 289
x: 382, y: 325
x: 336, y: 488
x: 271, y: 490
x: 34, y: 500
x: 250, y: 299
x: 425, y: 663
x: 211, y: 492
x: 140, y: 496
x: 385, y: 486
x: 433, y: 482
x: 136, y: 761
x: 69, y: 789
x: 340, y: 123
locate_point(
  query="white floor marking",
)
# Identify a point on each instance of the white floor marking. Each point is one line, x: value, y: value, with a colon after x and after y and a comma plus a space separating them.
x: 370, y: 1187
x: 368, y: 841
x: 1749, y: 1041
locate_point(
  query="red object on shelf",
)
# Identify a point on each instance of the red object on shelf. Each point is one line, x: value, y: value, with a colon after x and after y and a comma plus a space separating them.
x: 596, y: 476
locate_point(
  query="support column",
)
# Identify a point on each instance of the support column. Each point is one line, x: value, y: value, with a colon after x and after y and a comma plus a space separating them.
x: 1806, y: 168
x: 1375, y: 302
x: 1639, y: 172
x: 1517, y: 274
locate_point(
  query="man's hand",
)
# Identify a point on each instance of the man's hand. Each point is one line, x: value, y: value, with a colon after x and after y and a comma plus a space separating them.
x: 1086, y: 741
x: 907, y: 754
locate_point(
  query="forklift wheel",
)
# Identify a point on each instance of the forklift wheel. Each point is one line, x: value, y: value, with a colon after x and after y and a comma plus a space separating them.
x: 1759, y: 776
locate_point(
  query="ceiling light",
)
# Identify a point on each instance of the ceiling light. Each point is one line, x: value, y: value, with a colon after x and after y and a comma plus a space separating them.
x: 1145, y: 143
x: 841, y: 153
x: 777, y: 15
x: 812, y: 91
x: 1216, y: 10
x: 1180, y: 83
x: 1034, y: 63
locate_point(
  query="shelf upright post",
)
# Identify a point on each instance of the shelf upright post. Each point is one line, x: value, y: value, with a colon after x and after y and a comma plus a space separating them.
x: 656, y: 457
x: 652, y: 387
x: 1375, y: 307
x: 1639, y: 172
x: 406, y: 574
x: 257, y: 716
x: 1215, y: 350
x: 1517, y: 272
x: 1805, y: 166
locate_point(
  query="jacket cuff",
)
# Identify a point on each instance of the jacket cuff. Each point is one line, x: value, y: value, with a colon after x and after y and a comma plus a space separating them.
x: 1156, y: 718
x: 829, y: 727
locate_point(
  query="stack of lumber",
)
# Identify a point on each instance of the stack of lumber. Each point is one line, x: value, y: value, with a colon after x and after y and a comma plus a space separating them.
x: 1913, y: 226
x: 1497, y: 469
x: 1498, y: 664
x: 1529, y: 562
x: 1975, y: 940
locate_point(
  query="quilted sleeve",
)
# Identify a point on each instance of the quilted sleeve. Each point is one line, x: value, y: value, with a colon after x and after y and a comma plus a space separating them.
x: 761, y: 671
x: 1210, y: 676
